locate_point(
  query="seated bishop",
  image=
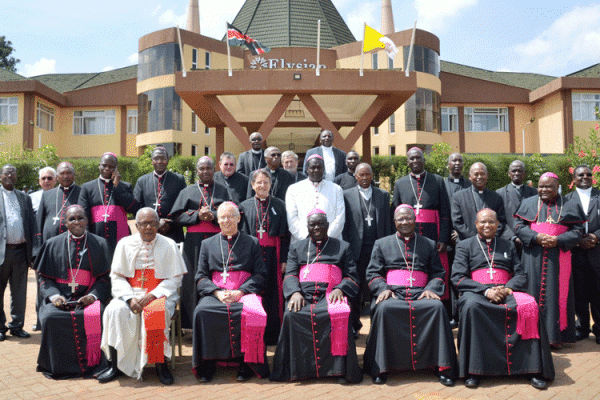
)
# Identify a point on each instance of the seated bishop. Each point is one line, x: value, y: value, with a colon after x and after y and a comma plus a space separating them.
x: 229, y: 320
x: 146, y: 272
x: 499, y: 331
x: 410, y: 329
x: 317, y: 339
x: 74, y: 286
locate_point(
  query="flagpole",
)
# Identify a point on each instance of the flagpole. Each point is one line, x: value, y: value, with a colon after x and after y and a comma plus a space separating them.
x: 181, y: 52
x: 362, y: 46
x: 228, y: 51
x: 318, y: 47
x: 410, y: 52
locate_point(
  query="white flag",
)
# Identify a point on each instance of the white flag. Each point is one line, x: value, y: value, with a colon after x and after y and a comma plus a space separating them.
x: 390, y: 47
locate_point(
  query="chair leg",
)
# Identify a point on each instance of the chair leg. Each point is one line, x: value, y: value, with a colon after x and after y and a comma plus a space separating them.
x: 179, y: 333
x: 172, y: 343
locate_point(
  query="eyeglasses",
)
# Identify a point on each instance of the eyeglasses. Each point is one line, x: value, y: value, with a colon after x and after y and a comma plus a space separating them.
x: 589, y: 175
x: 228, y: 165
x: 47, y: 178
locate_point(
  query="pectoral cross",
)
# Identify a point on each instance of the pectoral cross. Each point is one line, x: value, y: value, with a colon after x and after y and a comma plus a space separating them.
x: 224, y: 274
x: 411, y: 280
x: 261, y: 231
x: 55, y: 219
x: 73, y: 285
x: 491, y: 272
x: 418, y: 207
x: 156, y: 205
x: 369, y: 219
x: 306, y: 272
x: 105, y: 215
x: 550, y: 220
x: 142, y: 279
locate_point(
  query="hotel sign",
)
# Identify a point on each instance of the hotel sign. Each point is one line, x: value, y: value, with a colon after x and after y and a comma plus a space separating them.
x: 259, y: 62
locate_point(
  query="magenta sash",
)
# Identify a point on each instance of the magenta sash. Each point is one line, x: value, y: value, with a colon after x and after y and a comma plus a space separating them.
x: 204, y: 227
x: 116, y: 214
x: 433, y: 217
x: 400, y: 277
x: 339, y: 312
x: 93, y: 332
x: 527, y: 316
x: 500, y: 276
x: 254, y: 316
x: 275, y: 241
x: 83, y: 278
x: 564, y: 271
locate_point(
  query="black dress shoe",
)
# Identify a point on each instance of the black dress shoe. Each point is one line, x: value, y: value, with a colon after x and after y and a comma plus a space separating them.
x: 453, y: 323
x: 208, y: 371
x: 380, y: 379
x: 597, y: 339
x: 342, y: 381
x: 446, y: 380
x: 580, y: 335
x: 163, y: 373
x: 244, y: 373
x: 36, y: 327
x: 539, y: 383
x: 2, y: 336
x: 110, y: 374
x: 472, y: 382
x: 20, y: 333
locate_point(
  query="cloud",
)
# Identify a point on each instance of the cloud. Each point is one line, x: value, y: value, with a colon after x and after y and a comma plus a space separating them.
x: 169, y: 18
x: 133, y: 59
x: 432, y: 14
x: 156, y: 10
x: 366, y: 12
x: 41, y: 67
x: 570, y: 43
x: 214, y: 14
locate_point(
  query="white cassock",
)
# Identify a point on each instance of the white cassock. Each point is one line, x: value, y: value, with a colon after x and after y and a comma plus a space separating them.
x: 124, y: 330
x: 303, y: 196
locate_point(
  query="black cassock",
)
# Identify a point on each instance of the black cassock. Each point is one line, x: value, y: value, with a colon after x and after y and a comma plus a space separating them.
x: 275, y: 243
x: 549, y: 282
x: 304, y: 349
x: 453, y: 185
x: 102, y: 201
x: 281, y: 180
x: 50, y: 217
x: 249, y: 161
x: 185, y: 212
x: 488, y: 342
x: 345, y: 180
x: 236, y: 184
x: 407, y: 333
x: 167, y: 188
x: 217, y: 326
x: 466, y: 203
x: 64, y: 340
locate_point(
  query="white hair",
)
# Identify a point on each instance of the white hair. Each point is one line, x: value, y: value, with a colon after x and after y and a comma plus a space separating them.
x: 46, y: 170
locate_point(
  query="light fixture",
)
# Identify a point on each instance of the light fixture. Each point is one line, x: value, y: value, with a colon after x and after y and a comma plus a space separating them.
x: 291, y: 146
x: 297, y: 76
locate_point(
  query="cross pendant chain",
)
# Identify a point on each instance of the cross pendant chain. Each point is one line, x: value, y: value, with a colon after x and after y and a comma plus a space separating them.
x: 411, y: 280
x: 73, y: 285
x: 418, y: 207
x: 491, y: 272
x: 142, y: 279
x: 306, y: 272
x: 369, y: 219
x: 55, y: 219
x: 224, y: 275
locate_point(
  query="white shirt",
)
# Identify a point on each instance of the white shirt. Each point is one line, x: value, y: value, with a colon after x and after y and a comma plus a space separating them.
x: 303, y: 196
x: 329, y: 159
x: 15, y: 232
x: 365, y: 193
x: 584, y: 196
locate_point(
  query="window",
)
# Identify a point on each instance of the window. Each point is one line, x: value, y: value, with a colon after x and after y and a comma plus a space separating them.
x: 45, y: 117
x: 9, y: 110
x: 392, y: 120
x: 132, y: 121
x: 374, y: 60
x: 194, y: 119
x: 207, y: 60
x: 94, y: 122
x: 159, y: 109
x: 392, y: 150
x: 206, y: 130
x: 422, y: 111
x: 194, y: 58
x: 584, y: 106
x: 375, y: 130
x: 376, y: 151
x: 423, y: 60
x: 449, y: 119
x: 486, y: 119
x: 207, y: 150
x: 194, y: 150
x: 163, y: 59
x: 390, y: 63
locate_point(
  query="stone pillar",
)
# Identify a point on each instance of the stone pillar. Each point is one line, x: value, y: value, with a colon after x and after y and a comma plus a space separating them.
x: 193, y: 17
x: 387, y: 18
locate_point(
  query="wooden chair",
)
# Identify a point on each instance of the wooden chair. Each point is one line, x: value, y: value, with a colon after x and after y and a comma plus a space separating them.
x: 175, y: 328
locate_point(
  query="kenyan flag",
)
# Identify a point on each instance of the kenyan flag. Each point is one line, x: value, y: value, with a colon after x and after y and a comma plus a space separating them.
x: 235, y: 37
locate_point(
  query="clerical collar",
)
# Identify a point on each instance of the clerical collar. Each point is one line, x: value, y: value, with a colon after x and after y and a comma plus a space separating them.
x: 455, y: 180
x: 418, y: 175
x: 315, y: 184
x: 587, y: 191
x: 486, y: 240
x: 104, y: 179
x: 365, y: 191
x: 256, y: 151
x: 517, y: 186
x: 66, y: 187
x: 160, y: 175
x: 230, y: 237
x: 77, y: 237
x: 206, y: 184
x: 150, y: 243
x: 319, y: 242
x: 405, y: 238
x: 478, y: 191
x: 272, y: 170
x: 259, y: 199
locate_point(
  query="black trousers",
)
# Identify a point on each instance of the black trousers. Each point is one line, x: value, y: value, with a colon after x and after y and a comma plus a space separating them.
x: 14, y: 273
x: 586, y: 282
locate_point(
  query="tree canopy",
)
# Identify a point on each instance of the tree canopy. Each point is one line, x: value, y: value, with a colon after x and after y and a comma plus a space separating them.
x: 6, y: 61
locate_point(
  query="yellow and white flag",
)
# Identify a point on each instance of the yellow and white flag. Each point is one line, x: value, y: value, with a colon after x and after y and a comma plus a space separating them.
x: 375, y: 40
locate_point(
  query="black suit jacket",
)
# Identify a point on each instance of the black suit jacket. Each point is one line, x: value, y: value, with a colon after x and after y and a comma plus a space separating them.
x: 338, y: 155
x: 353, y: 229
x: 245, y: 163
x: 464, y: 211
x: 511, y: 205
x: 28, y: 218
x: 592, y: 255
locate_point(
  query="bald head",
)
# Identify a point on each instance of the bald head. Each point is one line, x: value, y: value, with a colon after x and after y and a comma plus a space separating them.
x: 478, y: 175
x: 516, y: 172
x: 486, y: 223
x: 256, y: 141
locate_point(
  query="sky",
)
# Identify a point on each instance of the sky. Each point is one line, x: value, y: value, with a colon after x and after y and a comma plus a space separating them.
x: 548, y: 37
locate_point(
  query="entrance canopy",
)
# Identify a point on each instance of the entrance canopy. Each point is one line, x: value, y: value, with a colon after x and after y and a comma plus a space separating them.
x: 278, y: 102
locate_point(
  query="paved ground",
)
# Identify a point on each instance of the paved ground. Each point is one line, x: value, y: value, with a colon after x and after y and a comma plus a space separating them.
x: 576, y: 378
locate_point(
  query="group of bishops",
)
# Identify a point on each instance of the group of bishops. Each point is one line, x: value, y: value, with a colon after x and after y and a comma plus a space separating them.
x: 273, y: 256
